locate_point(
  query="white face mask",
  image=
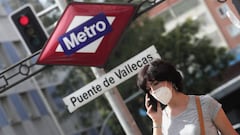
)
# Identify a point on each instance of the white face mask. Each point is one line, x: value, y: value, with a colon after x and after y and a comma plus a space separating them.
x: 162, y: 94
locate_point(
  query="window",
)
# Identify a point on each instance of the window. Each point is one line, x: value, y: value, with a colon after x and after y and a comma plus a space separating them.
x: 222, y: 10
x: 236, y: 52
x: 11, y: 113
x: 184, y: 6
x: 46, y: 3
x: 20, y: 49
x: 10, y: 51
x: 50, y: 18
x: 233, y: 30
x: 18, y: 104
x: 38, y: 102
x: 56, y: 102
x: 3, y: 117
x: 3, y: 58
x: 166, y: 15
x: 216, y: 40
x: 204, y: 20
x: 29, y: 105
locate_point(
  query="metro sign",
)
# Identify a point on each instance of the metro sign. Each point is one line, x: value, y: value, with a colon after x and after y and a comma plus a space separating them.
x: 86, y: 34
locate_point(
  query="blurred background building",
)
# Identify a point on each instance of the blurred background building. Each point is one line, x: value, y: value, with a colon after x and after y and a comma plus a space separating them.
x: 210, y: 14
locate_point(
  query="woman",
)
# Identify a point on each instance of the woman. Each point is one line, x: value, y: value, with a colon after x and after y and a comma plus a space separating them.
x: 180, y: 117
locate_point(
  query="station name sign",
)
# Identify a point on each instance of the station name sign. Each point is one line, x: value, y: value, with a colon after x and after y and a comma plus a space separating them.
x: 113, y: 78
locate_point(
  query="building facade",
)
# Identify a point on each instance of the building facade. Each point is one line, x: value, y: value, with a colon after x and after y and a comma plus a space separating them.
x: 230, y: 32
x: 211, y: 14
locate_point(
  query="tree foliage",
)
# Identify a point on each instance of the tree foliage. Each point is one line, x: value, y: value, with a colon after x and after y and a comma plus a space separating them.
x: 196, y: 57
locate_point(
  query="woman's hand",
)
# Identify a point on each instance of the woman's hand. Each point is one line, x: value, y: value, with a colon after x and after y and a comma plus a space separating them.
x: 155, y: 116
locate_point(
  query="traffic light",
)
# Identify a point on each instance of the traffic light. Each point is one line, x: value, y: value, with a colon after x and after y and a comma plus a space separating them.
x: 29, y: 28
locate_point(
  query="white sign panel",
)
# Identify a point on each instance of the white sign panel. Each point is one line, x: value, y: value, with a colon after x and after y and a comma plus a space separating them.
x: 113, y: 78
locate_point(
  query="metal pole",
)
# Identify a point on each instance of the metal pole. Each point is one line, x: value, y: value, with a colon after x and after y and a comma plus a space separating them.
x: 119, y: 108
x: 111, y: 113
x: 39, y: 90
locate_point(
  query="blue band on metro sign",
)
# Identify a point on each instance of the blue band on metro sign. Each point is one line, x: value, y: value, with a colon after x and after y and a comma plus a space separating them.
x: 84, y: 34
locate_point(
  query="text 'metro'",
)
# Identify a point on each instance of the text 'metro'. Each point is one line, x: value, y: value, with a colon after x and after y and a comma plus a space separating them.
x: 85, y: 34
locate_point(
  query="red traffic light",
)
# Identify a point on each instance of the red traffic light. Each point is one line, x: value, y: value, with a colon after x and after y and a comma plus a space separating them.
x: 30, y: 29
x: 24, y: 20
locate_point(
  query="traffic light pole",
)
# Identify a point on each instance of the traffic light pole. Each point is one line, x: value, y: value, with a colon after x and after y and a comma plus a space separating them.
x: 50, y: 111
x: 39, y: 91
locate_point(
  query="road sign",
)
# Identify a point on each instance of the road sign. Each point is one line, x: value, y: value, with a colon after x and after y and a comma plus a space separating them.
x: 86, y: 34
x: 113, y: 78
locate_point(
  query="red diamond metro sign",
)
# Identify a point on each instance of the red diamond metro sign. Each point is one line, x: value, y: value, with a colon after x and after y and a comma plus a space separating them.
x: 86, y: 34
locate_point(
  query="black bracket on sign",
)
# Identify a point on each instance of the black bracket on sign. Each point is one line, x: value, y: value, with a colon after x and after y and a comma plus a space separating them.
x: 145, y: 6
x: 19, y: 72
